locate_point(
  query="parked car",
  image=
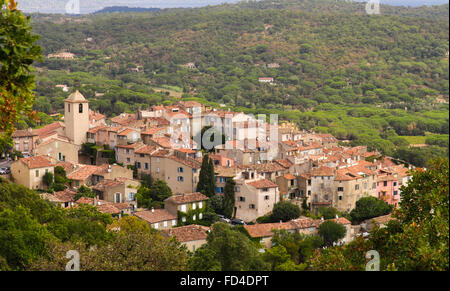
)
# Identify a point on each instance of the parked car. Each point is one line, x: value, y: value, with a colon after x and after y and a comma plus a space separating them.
x: 224, y: 219
x: 8, y: 170
x: 3, y: 171
x: 236, y: 221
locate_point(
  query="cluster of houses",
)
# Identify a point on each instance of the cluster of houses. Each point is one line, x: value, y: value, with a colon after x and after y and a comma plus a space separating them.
x: 268, y: 163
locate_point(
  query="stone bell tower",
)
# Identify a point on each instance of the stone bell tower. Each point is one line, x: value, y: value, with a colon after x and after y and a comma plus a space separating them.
x: 76, y: 117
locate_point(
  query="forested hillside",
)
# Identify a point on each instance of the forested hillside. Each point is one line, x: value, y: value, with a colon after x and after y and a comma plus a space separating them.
x: 394, y: 64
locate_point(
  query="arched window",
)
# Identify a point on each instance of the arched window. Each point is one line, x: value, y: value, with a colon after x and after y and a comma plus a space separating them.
x: 80, y: 107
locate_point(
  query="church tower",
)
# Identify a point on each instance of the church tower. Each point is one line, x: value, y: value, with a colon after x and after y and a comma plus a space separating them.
x: 76, y: 117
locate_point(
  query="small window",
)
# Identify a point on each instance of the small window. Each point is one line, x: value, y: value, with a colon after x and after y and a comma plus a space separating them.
x: 68, y: 107
x: 265, y: 189
x: 165, y: 223
x: 80, y: 108
x: 194, y: 217
x: 146, y: 166
x: 37, y: 173
x: 157, y: 170
x: 385, y: 183
x: 155, y: 225
x: 183, y: 208
x: 241, y: 199
x: 200, y: 216
x: 194, y: 205
x: 180, y: 178
x: 139, y: 165
x: 252, y: 206
x: 266, y: 197
x: 200, y: 204
x: 326, y: 197
x: 183, y: 219
x: 357, y: 187
x: 340, y: 189
x: 174, y: 222
x: 340, y: 197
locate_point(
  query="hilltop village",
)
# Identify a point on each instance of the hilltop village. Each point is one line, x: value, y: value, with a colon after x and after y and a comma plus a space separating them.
x: 268, y: 164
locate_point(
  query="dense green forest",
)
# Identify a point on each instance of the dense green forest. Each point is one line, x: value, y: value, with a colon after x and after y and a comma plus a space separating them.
x: 366, y: 78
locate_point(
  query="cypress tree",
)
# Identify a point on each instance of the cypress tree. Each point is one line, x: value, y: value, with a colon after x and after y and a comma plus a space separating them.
x: 202, y: 185
x: 212, y: 179
x: 228, y: 201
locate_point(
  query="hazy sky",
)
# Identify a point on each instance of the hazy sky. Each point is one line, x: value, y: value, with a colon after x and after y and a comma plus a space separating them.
x: 87, y: 6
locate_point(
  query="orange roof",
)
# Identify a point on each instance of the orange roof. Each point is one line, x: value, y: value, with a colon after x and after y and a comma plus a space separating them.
x: 95, y: 115
x: 96, y: 129
x: 187, y: 198
x: 152, y: 130
x: 126, y: 131
x: 147, y: 149
x: 289, y: 176
x: 83, y: 173
x: 130, y: 146
x: 157, y: 215
x: 265, y: 229
x: 187, y: 233
x: 284, y: 163
x: 37, y: 162
x: 188, y: 162
x: 24, y: 133
x: 264, y: 183
x: 322, y: 171
x: 163, y: 142
x: 49, y: 128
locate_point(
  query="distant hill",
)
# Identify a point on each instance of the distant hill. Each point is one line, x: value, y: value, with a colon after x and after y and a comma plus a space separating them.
x: 113, y: 9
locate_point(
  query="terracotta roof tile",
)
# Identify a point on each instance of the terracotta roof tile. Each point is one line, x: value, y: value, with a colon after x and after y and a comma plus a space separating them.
x: 322, y: 171
x: 187, y: 233
x: 157, y: 215
x: 24, y: 133
x: 37, y: 162
x: 284, y: 163
x: 83, y: 173
x: 260, y: 184
x: 265, y: 229
x: 147, y: 149
x: 187, y: 198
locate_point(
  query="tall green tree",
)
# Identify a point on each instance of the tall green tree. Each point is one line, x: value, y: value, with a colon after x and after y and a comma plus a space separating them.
x: 206, y: 182
x: 284, y: 211
x: 331, y: 232
x: 227, y: 249
x: 17, y: 52
x: 369, y: 207
x: 229, y: 198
